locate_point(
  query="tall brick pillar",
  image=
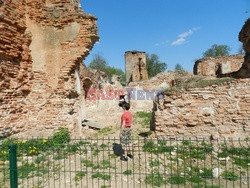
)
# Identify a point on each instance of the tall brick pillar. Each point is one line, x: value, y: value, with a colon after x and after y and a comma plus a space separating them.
x: 136, y: 69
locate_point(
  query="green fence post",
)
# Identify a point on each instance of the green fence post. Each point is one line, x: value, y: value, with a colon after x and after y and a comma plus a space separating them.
x: 13, y: 166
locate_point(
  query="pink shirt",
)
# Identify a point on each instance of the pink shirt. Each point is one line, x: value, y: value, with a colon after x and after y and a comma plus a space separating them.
x: 127, y: 117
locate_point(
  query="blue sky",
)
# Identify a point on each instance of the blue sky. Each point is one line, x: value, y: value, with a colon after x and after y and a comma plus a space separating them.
x: 178, y: 31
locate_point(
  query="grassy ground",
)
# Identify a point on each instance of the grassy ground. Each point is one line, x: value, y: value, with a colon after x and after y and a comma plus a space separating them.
x: 61, y: 162
x: 195, y: 82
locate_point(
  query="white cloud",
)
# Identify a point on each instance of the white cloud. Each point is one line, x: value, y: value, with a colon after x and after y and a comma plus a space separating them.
x: 182, y: 37
x: 178, y: 42
x: 186, y: 34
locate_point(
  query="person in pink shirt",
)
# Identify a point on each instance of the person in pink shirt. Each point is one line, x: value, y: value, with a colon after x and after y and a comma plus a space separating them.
x: 125, y: 133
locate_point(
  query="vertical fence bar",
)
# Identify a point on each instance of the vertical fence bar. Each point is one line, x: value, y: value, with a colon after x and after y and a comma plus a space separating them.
x: 13, y: 166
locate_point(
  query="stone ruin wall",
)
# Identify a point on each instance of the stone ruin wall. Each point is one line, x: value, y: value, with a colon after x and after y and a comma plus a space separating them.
x: 156, y: 84
x: 217, y: 111
x: 42, y: 45
x: 236, y: 66
x: 136, y: 69
x: 216, y: 66
x: 244, y: 37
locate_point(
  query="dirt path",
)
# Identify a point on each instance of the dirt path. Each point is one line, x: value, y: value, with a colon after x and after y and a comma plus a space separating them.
x: 111, y: 124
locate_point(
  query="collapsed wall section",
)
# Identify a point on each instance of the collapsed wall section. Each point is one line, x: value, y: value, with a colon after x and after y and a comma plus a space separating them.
x: 217, y: 111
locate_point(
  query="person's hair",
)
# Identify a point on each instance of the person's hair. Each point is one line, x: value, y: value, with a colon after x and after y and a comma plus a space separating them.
x: 126, y: 106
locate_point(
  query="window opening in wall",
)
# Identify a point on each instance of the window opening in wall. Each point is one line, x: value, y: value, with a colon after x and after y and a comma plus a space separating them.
x: 1, y: 102
x: 86, y: 86
x: 140, y: 69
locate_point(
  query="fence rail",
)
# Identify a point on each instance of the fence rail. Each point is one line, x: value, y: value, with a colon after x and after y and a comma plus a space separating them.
x: 161, y: 162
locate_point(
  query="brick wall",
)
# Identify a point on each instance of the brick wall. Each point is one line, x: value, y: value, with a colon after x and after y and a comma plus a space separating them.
x: 42, y: 47
x: 215, y: 66
x: 217, y: 111
x: 135, y: 66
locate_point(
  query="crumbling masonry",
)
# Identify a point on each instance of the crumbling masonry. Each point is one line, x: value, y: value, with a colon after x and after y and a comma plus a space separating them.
x: 217, y: 66
x: 135, y: 66
x: 42, y: 45
x: 220, y: 110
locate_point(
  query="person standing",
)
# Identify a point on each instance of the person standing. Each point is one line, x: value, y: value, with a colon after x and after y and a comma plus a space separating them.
x: 126, y: 132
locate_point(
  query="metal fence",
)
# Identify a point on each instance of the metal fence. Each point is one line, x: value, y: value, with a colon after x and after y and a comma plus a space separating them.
x: 159, y: 162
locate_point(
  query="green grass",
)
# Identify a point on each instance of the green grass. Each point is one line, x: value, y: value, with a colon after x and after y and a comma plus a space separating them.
x: 87, y: 163
x: 195, y: 179
x: 103, y: 146
x: 25, y: 170
x: 101, y: 176
x: 112, y: 155
x: 73, y: 148
x: 127, y: 172
x: 194, y: 82
x: 207, y: 173
x: 105, y: 130
x: 155, y: 180
x: 161, y: 147
x: 243, y: 162
x: 104, y: 164
x: 229, y: 175
x: 176, y: 180
x: 233, y: 151
x: 96, y: 152
x: 33, y: 147
x: 154, y: 163
x: 41, y: 158
x: 105, y: 186
x: 145, y: 116
x: 60, y: 155
x: 28, y: 170
x: 205, y: 186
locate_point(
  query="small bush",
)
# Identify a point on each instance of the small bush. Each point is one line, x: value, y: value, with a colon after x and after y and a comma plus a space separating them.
x: 60, y: 137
